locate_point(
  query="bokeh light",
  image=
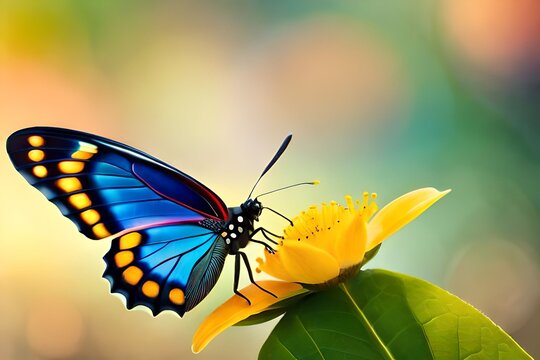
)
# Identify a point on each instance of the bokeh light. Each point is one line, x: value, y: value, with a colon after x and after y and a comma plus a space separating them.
x: 54, y: 328
x: 499, y: 39
x: 321, y: 71
x: 499, y: 277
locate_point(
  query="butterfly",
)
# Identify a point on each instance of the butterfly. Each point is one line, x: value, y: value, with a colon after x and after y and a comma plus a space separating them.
x: 170, y: 233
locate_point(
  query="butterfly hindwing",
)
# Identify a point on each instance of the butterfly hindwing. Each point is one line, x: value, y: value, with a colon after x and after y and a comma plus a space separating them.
x: 168, y: 267
x: 106, y: 187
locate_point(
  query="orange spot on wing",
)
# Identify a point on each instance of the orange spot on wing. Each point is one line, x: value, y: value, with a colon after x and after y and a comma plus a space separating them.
x: 69, y: 184
x: 40, y: 171
x: 177, y: 296
x: 123, y: 258
x: 83, y: 155
x: 132, y: 275
x: 36, y: 155
x: 150, y: 289
x: 36, y: 140
x: 71, y: 167
x: 90, y: 216
x: 80, y: 201
x: 100, y: 231
x: 130, y: 240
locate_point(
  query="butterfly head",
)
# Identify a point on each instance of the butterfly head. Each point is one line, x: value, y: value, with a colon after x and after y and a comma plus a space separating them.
x: 252, y: 209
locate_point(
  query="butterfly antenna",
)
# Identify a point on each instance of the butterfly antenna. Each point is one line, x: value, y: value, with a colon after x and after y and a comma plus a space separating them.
x: 280, y: 151
x: 314, y: 182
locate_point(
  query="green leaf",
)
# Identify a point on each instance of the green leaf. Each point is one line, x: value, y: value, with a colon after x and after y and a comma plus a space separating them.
x: 370, y: 255
x: 273, y: 311
x: 385, y: 315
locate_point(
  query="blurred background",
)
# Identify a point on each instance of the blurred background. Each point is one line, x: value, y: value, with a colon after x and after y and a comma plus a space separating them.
x: 381, y: 96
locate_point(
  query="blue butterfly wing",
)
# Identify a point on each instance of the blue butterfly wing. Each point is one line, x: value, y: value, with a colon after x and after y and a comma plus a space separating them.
x: 169, y: 267
x: 108, y: 188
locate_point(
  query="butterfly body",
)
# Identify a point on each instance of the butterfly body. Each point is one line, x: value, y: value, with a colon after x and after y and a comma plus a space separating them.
x: 238, y: 230
x: 170, y: 233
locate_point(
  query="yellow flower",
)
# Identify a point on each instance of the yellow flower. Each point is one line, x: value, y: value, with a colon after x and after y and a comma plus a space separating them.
x: 325, y: 246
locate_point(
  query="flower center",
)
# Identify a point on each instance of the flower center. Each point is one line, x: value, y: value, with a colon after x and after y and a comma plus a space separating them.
x: 328, y: 229
x: 314, y: 223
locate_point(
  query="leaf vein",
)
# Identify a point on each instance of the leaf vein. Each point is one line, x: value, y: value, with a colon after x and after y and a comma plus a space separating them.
x: 341, y: 333
x: 309, y: 336
x: 382, y: 347
x: 284, y: 346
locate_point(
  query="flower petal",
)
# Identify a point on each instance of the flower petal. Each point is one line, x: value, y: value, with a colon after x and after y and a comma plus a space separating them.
x: 306, y: 263
x: 274, y: 266
x: 399, y: 213
x: 351, y: 245
x: 237, y: 309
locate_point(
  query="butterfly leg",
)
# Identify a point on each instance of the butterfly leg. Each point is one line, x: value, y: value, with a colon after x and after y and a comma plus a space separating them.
x: 265, y: 234
x: 237, y: 278
x: 266, y: 246
x: 268, y: 232
x: 250, y: 274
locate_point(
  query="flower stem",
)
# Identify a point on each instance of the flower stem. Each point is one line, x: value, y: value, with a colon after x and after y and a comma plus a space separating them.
x: 367, y: 325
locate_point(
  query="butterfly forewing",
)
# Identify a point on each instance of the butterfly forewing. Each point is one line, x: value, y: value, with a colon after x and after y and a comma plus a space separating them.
x: 106, y: 187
